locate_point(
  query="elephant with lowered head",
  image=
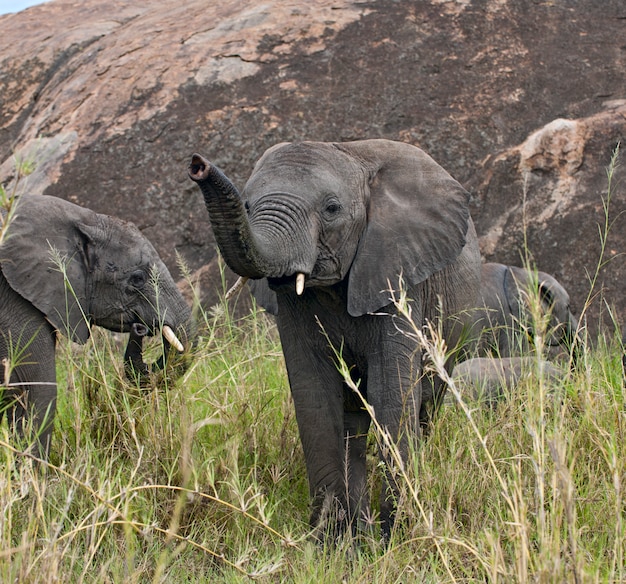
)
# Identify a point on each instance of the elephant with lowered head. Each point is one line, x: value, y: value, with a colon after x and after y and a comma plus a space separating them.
x: 64, y: 268
x: 487, y: 379
x: 502, y: 323
x: 326, y: 229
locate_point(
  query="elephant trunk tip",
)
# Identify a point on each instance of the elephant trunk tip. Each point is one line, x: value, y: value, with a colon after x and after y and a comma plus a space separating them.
x: 198, y: 168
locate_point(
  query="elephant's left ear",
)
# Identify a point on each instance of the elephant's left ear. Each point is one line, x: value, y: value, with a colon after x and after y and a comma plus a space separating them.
x: 45, y: 260
x: 418, y: 218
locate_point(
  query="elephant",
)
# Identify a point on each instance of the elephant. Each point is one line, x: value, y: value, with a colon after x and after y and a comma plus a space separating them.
x: 502, y: 323
x: 134, y: 367
x: 487, y: 379
x: 325, y: 230
x: 64, y: 268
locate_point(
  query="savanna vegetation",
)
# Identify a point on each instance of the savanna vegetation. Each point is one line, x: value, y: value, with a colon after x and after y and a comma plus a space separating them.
x: 200, y: 477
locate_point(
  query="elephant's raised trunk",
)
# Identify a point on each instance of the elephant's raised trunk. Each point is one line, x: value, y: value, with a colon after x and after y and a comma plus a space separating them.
x: 229, y: 220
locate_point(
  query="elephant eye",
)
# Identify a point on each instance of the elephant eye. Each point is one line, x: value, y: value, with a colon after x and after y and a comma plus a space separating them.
x: 332, y: 208
x: 137, y: 279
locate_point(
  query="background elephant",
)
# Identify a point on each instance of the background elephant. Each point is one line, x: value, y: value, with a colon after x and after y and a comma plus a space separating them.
x: 502, y: 324
x: 64, y: 268
x: 327, y: 229
x: 487, y: 379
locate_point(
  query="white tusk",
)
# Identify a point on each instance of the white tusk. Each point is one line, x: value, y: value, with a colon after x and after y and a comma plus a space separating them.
x: 238, y: 285
x: 171, y: 338
x: 299, y: 284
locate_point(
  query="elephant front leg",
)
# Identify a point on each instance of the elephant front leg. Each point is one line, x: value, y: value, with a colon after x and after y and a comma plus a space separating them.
x: 395, y: 393
x: 30, y: 395
x: 319, y: 412
x: 356, y: 426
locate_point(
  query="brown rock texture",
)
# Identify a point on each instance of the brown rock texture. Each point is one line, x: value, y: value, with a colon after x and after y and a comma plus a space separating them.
x: 520, y: 101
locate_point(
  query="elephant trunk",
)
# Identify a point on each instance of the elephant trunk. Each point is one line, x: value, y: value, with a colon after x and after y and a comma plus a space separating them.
x: 134, y: 366
x: 229, y: 220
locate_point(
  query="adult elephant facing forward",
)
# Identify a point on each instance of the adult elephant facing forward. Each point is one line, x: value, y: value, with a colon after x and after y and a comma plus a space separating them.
x: 329, y: 227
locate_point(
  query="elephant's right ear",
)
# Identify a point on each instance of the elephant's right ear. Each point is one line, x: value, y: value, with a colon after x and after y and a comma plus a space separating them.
x: 45, y: 259
x: 86, y: 238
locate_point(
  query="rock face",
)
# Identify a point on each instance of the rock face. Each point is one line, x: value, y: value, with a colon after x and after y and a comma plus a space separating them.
x: 520, y: 101
x: 552, y: 196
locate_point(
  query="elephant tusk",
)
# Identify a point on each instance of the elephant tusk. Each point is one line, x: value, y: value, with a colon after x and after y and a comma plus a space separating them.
x: 238, y: 285
x: 300, y: 284
x: 171, y: 338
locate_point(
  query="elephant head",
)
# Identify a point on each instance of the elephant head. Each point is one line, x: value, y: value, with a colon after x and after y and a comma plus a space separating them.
x: 80, y: 268
x: 65, y: 268
x: 312, y: 212
x: 325, y: 230
x: 506, y: 292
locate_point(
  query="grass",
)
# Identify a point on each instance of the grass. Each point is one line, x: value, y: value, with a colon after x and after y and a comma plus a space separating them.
x: 202, y: 479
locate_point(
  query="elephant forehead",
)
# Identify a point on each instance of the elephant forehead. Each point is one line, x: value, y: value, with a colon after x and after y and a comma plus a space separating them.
x: 126, y: 236
x: 308, y: 170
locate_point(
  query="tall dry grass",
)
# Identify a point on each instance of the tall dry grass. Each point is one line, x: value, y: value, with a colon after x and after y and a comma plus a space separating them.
x: 201, y: 478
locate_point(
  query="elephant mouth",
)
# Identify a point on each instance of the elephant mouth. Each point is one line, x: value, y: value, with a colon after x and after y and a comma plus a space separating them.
x: 295, y: 282
x: 299, y: 280
x: 166, y: 331
x: 134, y: 366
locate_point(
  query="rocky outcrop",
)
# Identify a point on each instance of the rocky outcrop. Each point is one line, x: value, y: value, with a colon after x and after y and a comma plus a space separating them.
x: 557, y: 200
x: 109, y: 101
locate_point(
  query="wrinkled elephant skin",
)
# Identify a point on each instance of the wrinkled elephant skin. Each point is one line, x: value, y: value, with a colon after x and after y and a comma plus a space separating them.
x: 324, y: 230
x: 63, y: 269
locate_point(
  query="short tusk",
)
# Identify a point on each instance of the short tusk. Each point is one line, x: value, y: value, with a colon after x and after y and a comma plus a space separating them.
x: 299, y: 284
x: 238, y: 285
x: 171, y: 338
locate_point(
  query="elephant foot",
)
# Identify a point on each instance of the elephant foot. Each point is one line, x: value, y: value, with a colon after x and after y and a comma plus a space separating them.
x: 329, y: 519
x: 333, y: 522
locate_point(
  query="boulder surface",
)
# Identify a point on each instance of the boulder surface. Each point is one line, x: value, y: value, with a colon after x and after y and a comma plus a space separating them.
x: 523, y: 102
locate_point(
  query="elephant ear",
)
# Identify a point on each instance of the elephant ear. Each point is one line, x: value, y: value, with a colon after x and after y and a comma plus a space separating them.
x: 518, y: 284
x: 46, y: 258
x: 546, y: 293
x: 418, y: 218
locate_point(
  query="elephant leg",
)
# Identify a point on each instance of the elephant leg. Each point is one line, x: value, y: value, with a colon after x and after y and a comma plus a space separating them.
x: 356, y: 426
x: 395, y: 393
x: 30, y: 396
x: 319, y: 414
x: 317, y: 390
x: 433, y: 392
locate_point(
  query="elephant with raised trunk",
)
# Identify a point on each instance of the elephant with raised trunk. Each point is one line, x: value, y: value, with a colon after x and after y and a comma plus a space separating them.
x: 503, y: 322
x: 64, y: 268
x: 326, y: 230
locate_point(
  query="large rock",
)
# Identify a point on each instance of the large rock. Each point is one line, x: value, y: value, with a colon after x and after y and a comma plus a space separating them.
x: 111, y: 99
x: 551, y: 200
